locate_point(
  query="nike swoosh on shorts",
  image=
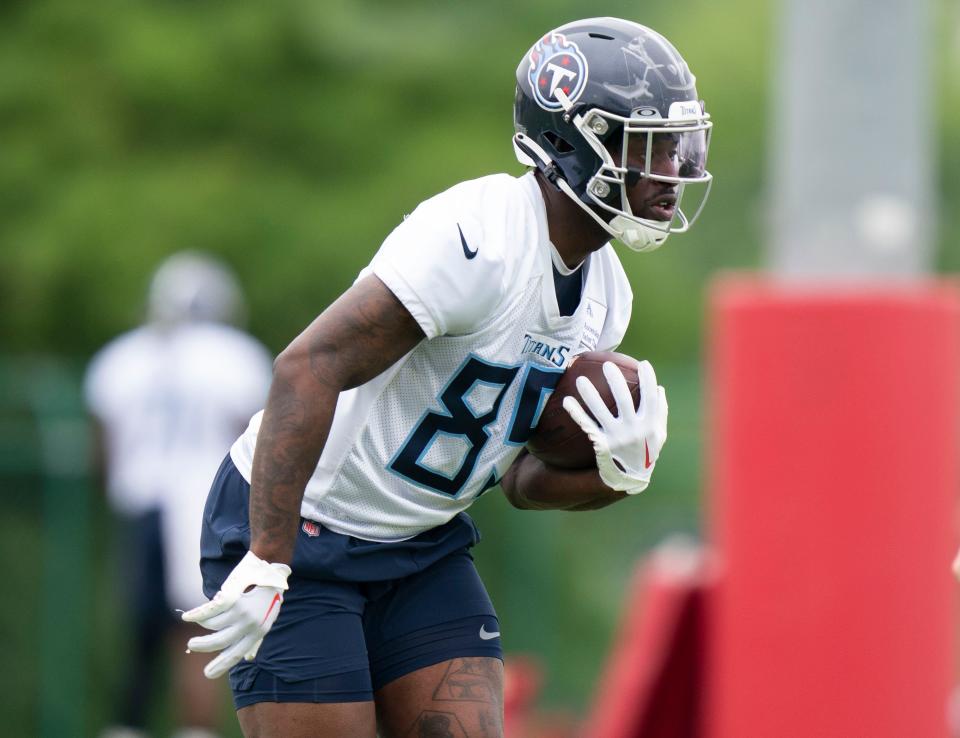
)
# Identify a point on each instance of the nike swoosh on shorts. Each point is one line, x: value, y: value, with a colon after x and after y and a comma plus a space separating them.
x: 487, y: 635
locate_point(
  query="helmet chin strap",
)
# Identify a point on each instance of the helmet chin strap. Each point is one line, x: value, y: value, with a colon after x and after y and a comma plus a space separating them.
x: 638, y: 236
x: 634, y: 234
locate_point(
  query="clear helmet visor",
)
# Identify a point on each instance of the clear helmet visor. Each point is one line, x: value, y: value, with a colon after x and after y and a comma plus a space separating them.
x: 678, y: 157
x: 647, y: 171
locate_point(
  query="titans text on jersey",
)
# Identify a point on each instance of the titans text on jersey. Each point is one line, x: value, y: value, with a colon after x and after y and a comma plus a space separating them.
x: 540, y: 346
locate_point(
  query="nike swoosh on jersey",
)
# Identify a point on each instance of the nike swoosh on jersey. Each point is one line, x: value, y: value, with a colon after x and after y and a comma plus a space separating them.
x: 486, y: 635
x: 466, y: 249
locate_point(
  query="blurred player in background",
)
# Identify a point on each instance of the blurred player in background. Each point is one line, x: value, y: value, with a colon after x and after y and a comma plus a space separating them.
x: 170, y: 397
x: 335, y: 546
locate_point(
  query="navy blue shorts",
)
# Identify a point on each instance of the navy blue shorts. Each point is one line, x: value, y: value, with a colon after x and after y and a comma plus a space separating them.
x: 358, y: 614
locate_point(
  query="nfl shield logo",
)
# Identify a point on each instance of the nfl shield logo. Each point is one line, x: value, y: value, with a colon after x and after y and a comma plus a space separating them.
x: 311, y: 528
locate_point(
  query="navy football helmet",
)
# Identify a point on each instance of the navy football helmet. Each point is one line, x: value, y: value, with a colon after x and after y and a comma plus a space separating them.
x: 592, y: 91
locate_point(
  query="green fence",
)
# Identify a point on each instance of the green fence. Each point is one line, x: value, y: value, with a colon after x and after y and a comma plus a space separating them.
x: 44, y: 462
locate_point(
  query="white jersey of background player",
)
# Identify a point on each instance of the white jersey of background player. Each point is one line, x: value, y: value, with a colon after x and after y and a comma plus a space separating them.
x: 474, y: 265
x: 170, y: 395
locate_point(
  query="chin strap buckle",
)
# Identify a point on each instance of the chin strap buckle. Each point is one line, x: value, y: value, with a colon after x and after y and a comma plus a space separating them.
x: 531, y: 154
x: 552, y: 173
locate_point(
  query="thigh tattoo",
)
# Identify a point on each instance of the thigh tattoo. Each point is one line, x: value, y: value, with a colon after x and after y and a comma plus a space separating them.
x: 470, y: 679
x: 475, y: 683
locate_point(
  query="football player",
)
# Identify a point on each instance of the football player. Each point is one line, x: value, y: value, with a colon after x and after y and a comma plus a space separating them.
x: 335, y: 544
x: 168, y: 396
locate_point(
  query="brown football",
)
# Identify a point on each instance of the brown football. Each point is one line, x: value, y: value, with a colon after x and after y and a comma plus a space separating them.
x: 557, y: 440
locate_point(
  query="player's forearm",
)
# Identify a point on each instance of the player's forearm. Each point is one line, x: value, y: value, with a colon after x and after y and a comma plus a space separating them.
x: 356, y: 338
x: 295, y: 425
x: 529, y: 484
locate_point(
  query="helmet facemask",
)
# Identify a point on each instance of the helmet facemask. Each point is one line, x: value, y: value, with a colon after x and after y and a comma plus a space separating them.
x: 674, y: 152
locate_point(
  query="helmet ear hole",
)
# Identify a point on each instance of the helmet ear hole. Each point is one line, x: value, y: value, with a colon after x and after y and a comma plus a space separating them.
x: 557, y: 143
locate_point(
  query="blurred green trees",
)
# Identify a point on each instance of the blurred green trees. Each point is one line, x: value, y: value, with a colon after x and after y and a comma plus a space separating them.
x: 290, y: 137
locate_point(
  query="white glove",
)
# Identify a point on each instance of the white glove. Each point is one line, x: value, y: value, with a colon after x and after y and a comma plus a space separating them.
x: 240, y: 617
x: 628, y: 444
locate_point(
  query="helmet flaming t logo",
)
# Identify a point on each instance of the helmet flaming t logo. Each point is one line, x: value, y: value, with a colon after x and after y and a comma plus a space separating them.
x: 556, y: 63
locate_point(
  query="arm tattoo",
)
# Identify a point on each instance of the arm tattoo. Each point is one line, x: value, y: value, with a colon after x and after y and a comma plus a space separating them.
x: 275, y: 508
x: 368, y: 334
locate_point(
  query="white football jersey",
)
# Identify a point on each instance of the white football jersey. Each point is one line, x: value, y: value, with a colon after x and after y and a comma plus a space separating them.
x: 170, y: 403
x: 417, y: 444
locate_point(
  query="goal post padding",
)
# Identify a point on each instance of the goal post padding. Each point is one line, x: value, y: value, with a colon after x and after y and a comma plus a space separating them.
x: 833, y: 481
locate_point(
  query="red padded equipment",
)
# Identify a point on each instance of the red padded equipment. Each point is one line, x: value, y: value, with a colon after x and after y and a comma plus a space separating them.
x: 833, y: 483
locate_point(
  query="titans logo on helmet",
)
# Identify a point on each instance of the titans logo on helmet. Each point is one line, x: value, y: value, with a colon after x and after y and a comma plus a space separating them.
x: 556, y: 63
